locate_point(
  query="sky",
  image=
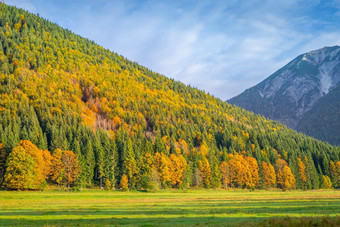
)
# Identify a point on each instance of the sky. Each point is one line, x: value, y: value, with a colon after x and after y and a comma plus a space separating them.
x: 222, y: 47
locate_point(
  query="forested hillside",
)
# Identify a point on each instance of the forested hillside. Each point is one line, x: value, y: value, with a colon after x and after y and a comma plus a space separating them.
x: 129, y: 127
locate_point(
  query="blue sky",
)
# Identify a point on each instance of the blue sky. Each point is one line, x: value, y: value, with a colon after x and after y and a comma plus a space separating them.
x: 222, y: 47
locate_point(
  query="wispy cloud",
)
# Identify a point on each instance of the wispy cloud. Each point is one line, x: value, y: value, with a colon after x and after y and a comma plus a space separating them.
x: 222, y: 47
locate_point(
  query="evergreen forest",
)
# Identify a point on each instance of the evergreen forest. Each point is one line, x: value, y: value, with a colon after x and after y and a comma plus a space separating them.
x: 75, y: 114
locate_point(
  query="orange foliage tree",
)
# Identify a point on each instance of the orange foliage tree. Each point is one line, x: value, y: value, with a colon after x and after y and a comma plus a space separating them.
x: 64, y: 167
x: 285, y: 178
x: 26, y: 167
x: 243, y: 172
x: 57, y: 168
x: 268, y: 173
x: 71, y: 167
x: 254, y: 172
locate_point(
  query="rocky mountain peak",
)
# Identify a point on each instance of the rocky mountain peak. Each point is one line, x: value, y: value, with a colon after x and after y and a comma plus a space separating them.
x: 292, y: 91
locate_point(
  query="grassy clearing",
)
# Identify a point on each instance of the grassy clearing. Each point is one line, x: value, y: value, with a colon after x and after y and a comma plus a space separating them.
x: 95, y: 207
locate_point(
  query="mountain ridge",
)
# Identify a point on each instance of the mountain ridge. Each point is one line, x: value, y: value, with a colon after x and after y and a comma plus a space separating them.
x: 291, y: 92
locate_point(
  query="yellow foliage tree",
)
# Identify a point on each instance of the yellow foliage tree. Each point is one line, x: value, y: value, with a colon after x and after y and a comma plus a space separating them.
x: 205, y: 172
x: 254, y: 172
x: 326, y: 182
x: 26, y: 167
x: 164, y: 168
x: 268, y: 173
x: 19, y: 170
x: 302, y: 173
x: 177, y: 168
x: 285, y: 178
x: 124, y: 183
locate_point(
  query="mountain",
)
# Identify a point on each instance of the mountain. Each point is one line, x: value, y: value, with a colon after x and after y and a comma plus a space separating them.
x: 130, y: 127
x: 303, y: 95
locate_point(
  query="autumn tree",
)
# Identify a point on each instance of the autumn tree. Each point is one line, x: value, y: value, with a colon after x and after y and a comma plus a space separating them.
x: 302, y: 173
x: 254, y: 172
x: 19, y: 170
x: 26, y: 167
x: 70, y: 166
x: 108, y: 184
x: 205, y: 172
x: 238, y: 172
x: 268, y: 174
x: 326, y: 183
x: 124, y: 183
x: 64, y: 167
x: 177, y: 167
x: 285, y: 178
x: 334, y: 169
x: 162, y: 165
x: 57, y: 169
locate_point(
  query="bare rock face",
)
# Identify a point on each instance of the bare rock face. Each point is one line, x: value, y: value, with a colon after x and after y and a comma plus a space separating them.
x: 294, y: 90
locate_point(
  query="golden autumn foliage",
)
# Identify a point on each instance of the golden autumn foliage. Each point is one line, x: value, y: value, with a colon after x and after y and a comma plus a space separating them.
x: 334, y: 169
x: 124, y: 183
x: 57, y: 168
x: 326, y: 182
x: 19, y: 170
x: 70, y: 166
x: 177, y: 167
x: 285, y: 178
x: 268, y: 173
x: 254, y: 171
x: 170, y: 169
x: 205, y: 172
x: 302, y: 172
x: 162, y: 164
x: 240, y: 171
x: 26, y: 167
x: 108, y: 185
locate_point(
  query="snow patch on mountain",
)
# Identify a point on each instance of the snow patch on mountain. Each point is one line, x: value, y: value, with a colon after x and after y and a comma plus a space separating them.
x: 326, y: 71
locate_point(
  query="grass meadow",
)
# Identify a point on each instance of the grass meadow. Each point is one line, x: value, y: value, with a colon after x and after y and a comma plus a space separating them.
x: 169, y: 208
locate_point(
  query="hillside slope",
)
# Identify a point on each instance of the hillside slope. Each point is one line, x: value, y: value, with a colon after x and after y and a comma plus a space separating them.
x: 127, y: 123
x: 291, y: 94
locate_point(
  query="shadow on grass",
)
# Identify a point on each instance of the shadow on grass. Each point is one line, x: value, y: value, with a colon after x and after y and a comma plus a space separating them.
x: 181, y: 221
x: 191, y: 209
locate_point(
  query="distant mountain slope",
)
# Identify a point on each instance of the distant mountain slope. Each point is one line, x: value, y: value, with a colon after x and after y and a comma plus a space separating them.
x: 323, y: 120
x: 298, y: 94
x: 131, y: 126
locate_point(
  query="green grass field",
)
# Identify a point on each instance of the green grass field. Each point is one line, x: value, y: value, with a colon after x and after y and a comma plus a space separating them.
x: 180, y: 208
